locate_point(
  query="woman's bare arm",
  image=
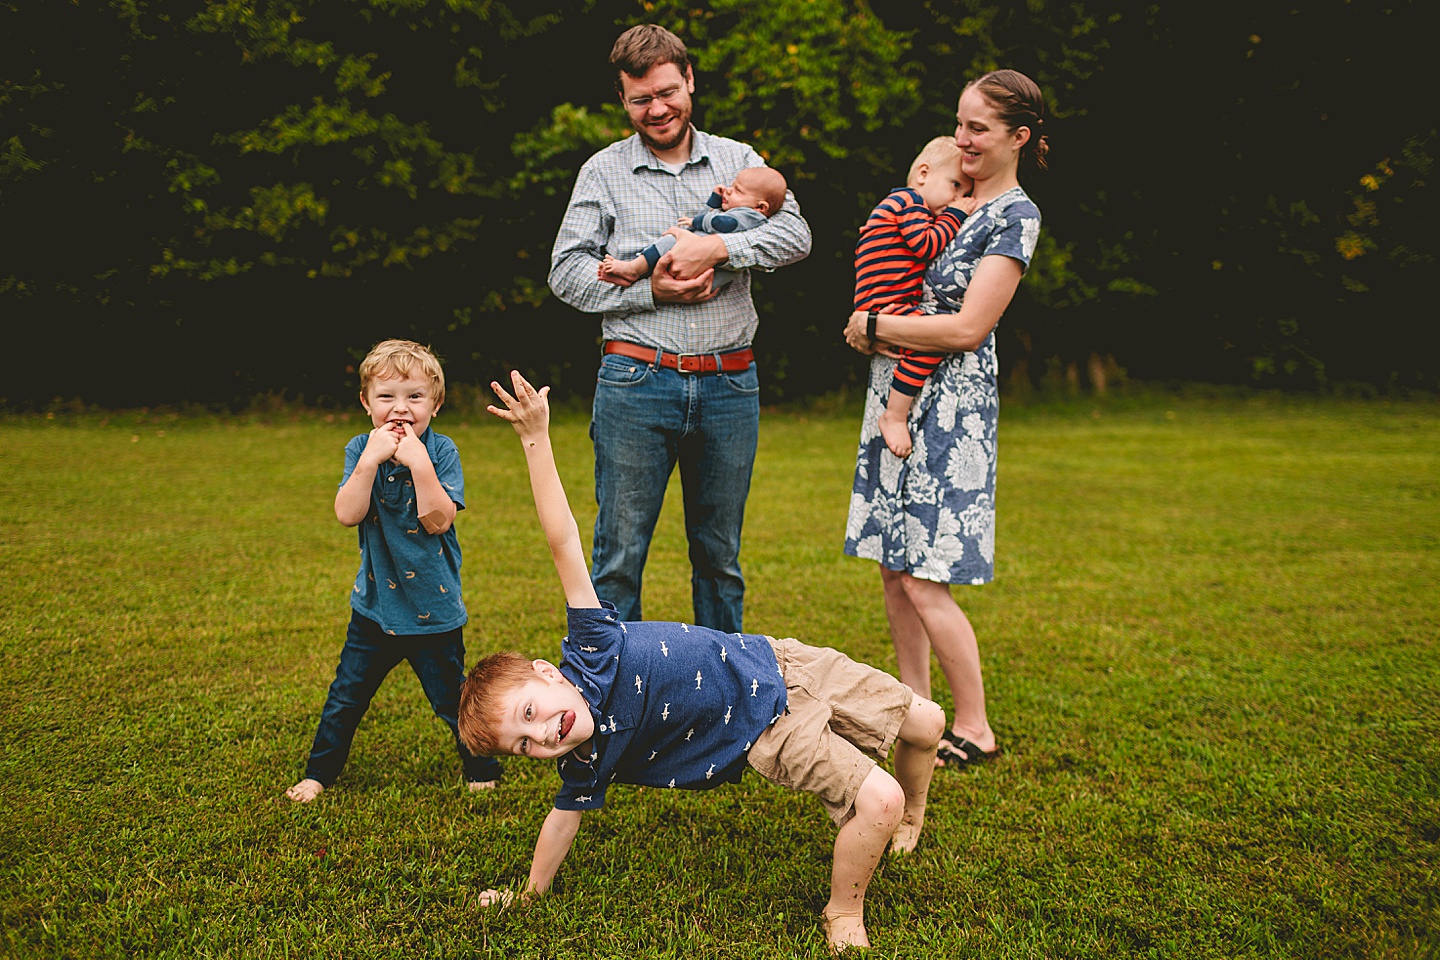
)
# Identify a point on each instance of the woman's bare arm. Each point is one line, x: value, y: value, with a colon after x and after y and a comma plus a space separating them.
x: 989, y: 293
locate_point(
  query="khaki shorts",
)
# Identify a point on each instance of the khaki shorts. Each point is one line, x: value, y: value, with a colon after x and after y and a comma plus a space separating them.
x: 841, y: 715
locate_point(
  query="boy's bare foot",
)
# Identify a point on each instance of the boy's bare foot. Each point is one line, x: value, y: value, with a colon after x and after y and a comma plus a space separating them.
x: 896, y: 434
x: 622, y: 272
x: 844, y: 932
x: 907, y: 835
x: 305, y: 791
x: 478, y: 785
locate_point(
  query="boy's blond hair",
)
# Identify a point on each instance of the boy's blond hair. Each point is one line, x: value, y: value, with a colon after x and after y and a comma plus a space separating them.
x: 937, y: 153
x: 768, y: 184
x: 399, y: 359
x: 482, y: 699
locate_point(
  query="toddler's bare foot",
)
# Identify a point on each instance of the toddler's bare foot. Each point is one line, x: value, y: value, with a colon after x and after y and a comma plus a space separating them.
x: 478, y: 785
x: 907, y: 835
x: 842, y: 932
x: 305, y: 791
x: 896, y: 434
x: 621, y: 272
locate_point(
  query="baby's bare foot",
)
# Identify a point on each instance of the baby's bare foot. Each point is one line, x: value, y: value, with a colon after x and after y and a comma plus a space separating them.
x: 622, y: 272
x: 305, y: 791
x: 843, y: 932
x: 896, y: 434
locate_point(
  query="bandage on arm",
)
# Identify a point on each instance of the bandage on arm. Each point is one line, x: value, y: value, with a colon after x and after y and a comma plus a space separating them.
x: 434, y: 521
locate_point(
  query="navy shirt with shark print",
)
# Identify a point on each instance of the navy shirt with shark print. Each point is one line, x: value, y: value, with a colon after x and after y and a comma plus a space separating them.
x: 675, y: 705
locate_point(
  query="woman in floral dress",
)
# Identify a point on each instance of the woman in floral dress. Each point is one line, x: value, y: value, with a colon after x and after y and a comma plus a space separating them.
x: 929, y: 519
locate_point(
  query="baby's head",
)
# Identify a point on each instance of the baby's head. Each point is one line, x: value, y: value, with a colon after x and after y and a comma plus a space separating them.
x: 511, y: 706
x: 760, y: 188
x: 936, y: 175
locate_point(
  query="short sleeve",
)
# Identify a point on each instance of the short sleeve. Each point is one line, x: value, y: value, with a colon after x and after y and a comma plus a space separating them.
x: 1016, y: 233
x: 446, y: 459
x: 353, y: 449
x: 590, y: 651
x: 579, y: 787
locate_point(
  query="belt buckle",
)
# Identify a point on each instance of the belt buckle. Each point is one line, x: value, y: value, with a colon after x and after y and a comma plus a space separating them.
x: 696, y: 359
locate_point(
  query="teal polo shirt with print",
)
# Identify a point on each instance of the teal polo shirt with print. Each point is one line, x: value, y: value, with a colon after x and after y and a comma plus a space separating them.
x: 409, y: 579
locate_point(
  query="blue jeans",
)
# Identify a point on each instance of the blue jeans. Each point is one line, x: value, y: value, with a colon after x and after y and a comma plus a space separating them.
x: 369, y: 654
x: 647, y: 418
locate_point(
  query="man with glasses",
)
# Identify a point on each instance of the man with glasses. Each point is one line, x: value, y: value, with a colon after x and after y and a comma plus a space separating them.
x: 677, y: 380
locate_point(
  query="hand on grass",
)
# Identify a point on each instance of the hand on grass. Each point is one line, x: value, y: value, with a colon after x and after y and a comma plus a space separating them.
x: 497, y: 898
x: 527, y: 410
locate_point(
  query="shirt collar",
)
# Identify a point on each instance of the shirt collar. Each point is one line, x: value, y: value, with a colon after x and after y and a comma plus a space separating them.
x: 640, y: 155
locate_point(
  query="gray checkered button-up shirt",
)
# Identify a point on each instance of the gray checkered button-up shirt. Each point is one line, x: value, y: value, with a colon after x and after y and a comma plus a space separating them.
x: 624, y: 198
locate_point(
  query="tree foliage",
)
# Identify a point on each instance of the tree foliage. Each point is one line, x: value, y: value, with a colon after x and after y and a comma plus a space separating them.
x: 254, y: 190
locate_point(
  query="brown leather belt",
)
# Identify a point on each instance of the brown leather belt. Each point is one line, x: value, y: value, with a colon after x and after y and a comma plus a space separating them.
x: 732, y: 362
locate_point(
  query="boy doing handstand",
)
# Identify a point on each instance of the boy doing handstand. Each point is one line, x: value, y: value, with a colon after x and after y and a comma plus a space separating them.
x: 904, y: 232
x: 755, y: 195
x: 401, y: 487
x: 674, y: 705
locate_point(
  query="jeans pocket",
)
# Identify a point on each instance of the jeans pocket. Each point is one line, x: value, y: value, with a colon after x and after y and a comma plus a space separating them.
x: 743, y: 383
x: 618, y: 371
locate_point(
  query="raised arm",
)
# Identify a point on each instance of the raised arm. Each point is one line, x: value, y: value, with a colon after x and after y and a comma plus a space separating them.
x: 989, y: 293
x: 528, y: 411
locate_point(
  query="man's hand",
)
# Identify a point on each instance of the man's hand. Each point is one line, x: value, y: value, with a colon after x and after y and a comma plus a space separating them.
x: 665, y: 287
x: 694, y: 254
x: 527, y: 410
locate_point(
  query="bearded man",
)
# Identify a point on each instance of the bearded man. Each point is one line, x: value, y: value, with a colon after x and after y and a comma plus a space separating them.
x: 677, y: 380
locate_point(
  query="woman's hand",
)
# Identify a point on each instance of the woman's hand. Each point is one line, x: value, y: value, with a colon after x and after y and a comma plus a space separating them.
x: 857, y: 336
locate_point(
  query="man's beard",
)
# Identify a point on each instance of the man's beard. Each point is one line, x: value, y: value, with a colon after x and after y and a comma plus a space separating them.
x: 682, y: 131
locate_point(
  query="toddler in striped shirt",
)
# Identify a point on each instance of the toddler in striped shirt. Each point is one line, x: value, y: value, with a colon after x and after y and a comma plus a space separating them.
x: 903, y: 234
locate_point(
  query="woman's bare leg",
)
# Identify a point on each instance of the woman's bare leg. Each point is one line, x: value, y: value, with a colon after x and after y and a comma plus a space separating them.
x: 912, y: 644
x: 953, y: 640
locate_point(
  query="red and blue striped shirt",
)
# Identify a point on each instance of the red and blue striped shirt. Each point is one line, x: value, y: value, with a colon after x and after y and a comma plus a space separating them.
x: 896, y: 243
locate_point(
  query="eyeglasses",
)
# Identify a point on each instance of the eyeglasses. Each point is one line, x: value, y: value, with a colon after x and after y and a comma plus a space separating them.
x: 664, y: 96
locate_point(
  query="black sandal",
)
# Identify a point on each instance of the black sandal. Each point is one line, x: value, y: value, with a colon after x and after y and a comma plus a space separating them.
x: 956, y: 751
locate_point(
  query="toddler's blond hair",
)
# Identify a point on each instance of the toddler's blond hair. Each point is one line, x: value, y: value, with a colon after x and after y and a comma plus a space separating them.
x: 937, y: 153
x: 399, y: 359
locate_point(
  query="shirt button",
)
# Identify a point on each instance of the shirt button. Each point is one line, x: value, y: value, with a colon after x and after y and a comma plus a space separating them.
x: 389, y: 479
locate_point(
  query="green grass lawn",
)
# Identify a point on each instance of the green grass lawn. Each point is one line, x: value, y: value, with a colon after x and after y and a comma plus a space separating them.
x: 1210, y: 655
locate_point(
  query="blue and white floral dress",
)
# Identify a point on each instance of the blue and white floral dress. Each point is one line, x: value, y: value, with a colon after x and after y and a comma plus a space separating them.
x: 933, y: 513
